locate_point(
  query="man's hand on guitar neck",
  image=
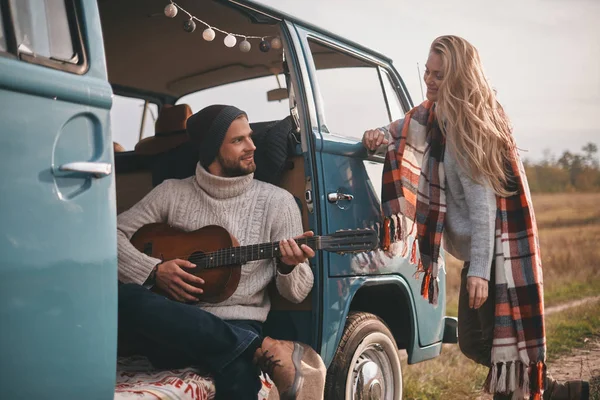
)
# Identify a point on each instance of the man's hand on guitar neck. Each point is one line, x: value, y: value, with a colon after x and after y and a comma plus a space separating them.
x: 175, y: 282
x: 292, y: 254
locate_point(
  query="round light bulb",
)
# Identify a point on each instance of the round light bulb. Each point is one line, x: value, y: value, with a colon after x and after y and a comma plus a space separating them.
x: 245, y: 46
x: 264, y: 46
x: 276, y: 43
x: 189, y: 25
x: 230, y: 40
x: 171, y: 10
x: 208, y: 34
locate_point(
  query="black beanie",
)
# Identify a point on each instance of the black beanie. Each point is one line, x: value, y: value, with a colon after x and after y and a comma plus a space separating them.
x: 207, y: 129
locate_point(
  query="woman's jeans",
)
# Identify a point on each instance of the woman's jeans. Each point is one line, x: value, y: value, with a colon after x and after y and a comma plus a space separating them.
x: 176, y: 335
x: 476, y: 326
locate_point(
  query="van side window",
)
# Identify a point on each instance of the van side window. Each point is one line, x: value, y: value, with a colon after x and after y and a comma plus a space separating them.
x: 45, y: 32
x: 264, y: 99
x: 131, y: 120
x: 391, y: 95
x: 352, y: 92
x: 2, y: 34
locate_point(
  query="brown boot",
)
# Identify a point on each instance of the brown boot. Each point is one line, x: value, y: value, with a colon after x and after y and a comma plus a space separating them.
x: 570, y: 390
x: 290, y: 365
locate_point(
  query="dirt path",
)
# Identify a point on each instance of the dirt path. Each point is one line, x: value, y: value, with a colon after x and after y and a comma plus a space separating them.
x: 580, y: 364
x: 571, y: 304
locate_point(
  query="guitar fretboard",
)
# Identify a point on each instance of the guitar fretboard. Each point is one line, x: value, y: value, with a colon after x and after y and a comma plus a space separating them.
x: 244, y: 254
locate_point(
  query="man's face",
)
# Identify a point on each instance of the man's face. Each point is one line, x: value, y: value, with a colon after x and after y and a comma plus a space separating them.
x: 236, y: 155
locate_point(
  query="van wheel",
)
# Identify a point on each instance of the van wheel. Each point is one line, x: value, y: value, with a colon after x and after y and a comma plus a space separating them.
x: 366, y: 364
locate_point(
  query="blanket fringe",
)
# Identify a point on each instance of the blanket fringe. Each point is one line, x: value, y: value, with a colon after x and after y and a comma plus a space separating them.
x: 429, y: 287
x: 425, y: 285
x: 502, y: 384
x: 512, y: 377
x: 509, y: 377
x: 404, y: 250
x: 385, y: 245
x: 399, y: 228
x: 537, y: 380
x: 413, y: 253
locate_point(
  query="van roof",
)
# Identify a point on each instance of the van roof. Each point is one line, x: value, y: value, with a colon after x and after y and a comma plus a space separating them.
x: 148, y: 52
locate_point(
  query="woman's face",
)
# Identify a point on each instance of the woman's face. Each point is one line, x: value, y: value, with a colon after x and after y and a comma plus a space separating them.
x: 433, y: 76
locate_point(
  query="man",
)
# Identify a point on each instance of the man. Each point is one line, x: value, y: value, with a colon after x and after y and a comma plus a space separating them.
x: 225, y: 338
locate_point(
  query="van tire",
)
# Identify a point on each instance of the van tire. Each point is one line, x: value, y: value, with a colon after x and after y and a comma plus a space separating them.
x: 366, y: 339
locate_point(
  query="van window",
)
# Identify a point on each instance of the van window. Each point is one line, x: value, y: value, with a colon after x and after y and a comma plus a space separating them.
x: 128, y: 119
x: 43, y: 31
x: 249, y: 95
x: 2, y: 35
x: 351, y: 91
x: 391, y: 95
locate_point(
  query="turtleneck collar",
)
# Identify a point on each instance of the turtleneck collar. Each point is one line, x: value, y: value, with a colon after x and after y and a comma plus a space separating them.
x: 220, y: 187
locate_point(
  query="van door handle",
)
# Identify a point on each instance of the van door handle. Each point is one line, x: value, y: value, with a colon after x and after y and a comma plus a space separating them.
x: 337, y: 196
x: 97, y: 169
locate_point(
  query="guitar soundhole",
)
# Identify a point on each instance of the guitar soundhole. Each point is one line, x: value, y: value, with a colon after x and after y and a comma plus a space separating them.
x: 148, y: 248
x: 197, y: 258
x: 215, y: 278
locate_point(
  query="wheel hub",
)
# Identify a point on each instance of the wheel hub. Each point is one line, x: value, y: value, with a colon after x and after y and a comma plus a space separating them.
x: 369, y: 381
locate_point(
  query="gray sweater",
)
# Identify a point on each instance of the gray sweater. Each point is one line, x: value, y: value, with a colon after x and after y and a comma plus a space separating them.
x: 470, y: 223
x: 252, y: 211
x: 470, y: 218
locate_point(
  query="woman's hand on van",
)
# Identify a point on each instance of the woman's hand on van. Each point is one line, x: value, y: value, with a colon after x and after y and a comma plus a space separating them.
x: 374, y: 138
x: 177, y: 283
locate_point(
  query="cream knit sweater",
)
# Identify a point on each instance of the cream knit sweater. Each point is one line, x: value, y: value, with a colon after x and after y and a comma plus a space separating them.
x: 252, y: 211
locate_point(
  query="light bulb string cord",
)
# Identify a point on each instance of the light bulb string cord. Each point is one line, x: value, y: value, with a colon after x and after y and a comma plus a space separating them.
x: 214, y: 28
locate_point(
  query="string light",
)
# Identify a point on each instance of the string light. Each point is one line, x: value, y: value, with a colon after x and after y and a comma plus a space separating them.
x: 230, y: 40
x: 264, y: 46
x: 189, y: 25
x: 276, y: 43
x: 245, y: 46
x: 208, y: 34
x: 170, y: 10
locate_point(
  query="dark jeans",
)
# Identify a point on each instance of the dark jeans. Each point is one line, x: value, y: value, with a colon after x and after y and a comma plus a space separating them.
x: 176, y: 335
x: 476, y: 327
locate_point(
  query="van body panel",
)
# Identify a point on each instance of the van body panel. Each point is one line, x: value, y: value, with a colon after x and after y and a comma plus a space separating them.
x: 58, y: 286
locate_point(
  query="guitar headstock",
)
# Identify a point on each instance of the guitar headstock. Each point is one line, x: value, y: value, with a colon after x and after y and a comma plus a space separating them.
x: 350, y: 241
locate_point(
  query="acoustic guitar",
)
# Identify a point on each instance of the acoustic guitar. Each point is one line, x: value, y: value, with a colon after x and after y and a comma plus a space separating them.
x: 219, y: 257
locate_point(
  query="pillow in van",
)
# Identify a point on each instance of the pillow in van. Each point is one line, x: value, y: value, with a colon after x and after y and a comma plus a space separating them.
x: 275, y: 143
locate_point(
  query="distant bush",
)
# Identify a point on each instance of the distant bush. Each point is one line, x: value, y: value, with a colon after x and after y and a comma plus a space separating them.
x: 572, y: 172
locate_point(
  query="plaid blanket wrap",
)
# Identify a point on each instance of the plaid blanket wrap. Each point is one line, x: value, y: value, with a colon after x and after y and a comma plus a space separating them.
x: 414, y: 208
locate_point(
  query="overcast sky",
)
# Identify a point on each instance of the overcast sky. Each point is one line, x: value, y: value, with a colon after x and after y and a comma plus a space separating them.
x: 542, y: 56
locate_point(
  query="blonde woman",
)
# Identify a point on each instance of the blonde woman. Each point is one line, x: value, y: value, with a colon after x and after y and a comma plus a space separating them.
x: 452, y: 171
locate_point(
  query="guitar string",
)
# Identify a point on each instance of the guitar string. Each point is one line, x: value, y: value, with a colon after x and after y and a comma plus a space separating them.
x: 269, y: 247
x: 266, y: 247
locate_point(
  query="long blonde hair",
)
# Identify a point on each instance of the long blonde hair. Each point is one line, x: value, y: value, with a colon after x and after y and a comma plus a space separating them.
x: 479, y: 131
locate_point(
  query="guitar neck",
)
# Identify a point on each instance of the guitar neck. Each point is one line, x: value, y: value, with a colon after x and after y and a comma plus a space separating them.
x: 244, y: 254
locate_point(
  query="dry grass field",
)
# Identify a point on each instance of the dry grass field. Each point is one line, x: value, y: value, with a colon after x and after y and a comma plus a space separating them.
x: 569, y: 228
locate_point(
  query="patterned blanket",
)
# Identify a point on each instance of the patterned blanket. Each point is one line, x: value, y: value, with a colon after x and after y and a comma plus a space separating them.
x: 137, y: 379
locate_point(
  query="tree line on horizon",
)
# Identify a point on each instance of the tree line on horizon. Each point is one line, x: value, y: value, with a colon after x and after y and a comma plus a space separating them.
x: 571, y: 172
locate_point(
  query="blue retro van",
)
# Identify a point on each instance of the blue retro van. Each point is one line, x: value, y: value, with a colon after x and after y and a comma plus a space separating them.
x: 82, y: 82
